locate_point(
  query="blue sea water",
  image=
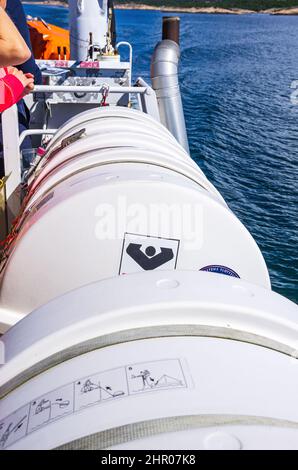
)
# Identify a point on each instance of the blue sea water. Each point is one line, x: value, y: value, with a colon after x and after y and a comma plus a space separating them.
x: 236, y: 74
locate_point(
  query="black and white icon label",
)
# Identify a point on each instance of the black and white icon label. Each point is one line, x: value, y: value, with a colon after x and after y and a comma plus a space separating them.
x: 14, y: 427
x: 100, y: 387
x: 51, y: 406
x: 157, y: 375
x: 94, y: 390
x: 146, y: 253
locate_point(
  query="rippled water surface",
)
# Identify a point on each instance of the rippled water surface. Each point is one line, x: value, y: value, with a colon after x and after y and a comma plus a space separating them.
x: 236, y: 75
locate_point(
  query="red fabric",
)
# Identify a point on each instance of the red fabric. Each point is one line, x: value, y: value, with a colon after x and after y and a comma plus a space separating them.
x: 11, y: 91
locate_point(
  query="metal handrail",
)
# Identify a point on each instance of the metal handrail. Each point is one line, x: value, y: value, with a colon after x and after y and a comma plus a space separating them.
x: 125, y: 43
x: 30, y: 132
x: 86, y: 89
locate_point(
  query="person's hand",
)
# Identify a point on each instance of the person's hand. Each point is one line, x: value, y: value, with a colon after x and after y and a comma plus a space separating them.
x: 27, y: 79
x: 30, y: 84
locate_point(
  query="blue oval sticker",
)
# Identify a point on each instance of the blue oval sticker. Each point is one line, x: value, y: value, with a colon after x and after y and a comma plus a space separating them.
x: 218, y: 269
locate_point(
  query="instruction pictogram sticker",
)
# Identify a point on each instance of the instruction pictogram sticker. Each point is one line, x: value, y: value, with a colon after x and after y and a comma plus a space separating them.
x: 147, y: 253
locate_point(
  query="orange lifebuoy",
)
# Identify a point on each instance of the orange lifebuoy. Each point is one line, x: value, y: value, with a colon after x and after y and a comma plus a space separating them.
x: 49, y: 42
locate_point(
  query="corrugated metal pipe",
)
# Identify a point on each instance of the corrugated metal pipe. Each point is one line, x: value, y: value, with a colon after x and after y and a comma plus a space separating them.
x: 165, y: 81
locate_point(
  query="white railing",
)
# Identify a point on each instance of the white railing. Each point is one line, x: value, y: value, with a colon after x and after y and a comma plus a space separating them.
x: 124, y: 43
x: 87, y: 89
x: 30, y: 132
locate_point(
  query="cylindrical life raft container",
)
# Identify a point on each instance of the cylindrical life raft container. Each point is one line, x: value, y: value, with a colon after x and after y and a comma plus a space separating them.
x: 116, y: 194
x: 154, y: 360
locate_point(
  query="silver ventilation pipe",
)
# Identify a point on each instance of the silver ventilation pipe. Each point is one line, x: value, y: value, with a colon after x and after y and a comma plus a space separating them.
x: 165, y: 81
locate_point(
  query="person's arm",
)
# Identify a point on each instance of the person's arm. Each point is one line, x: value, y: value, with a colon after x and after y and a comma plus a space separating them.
x: 14, y: 84
x: 15, y: 11
x: 13, y: 49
